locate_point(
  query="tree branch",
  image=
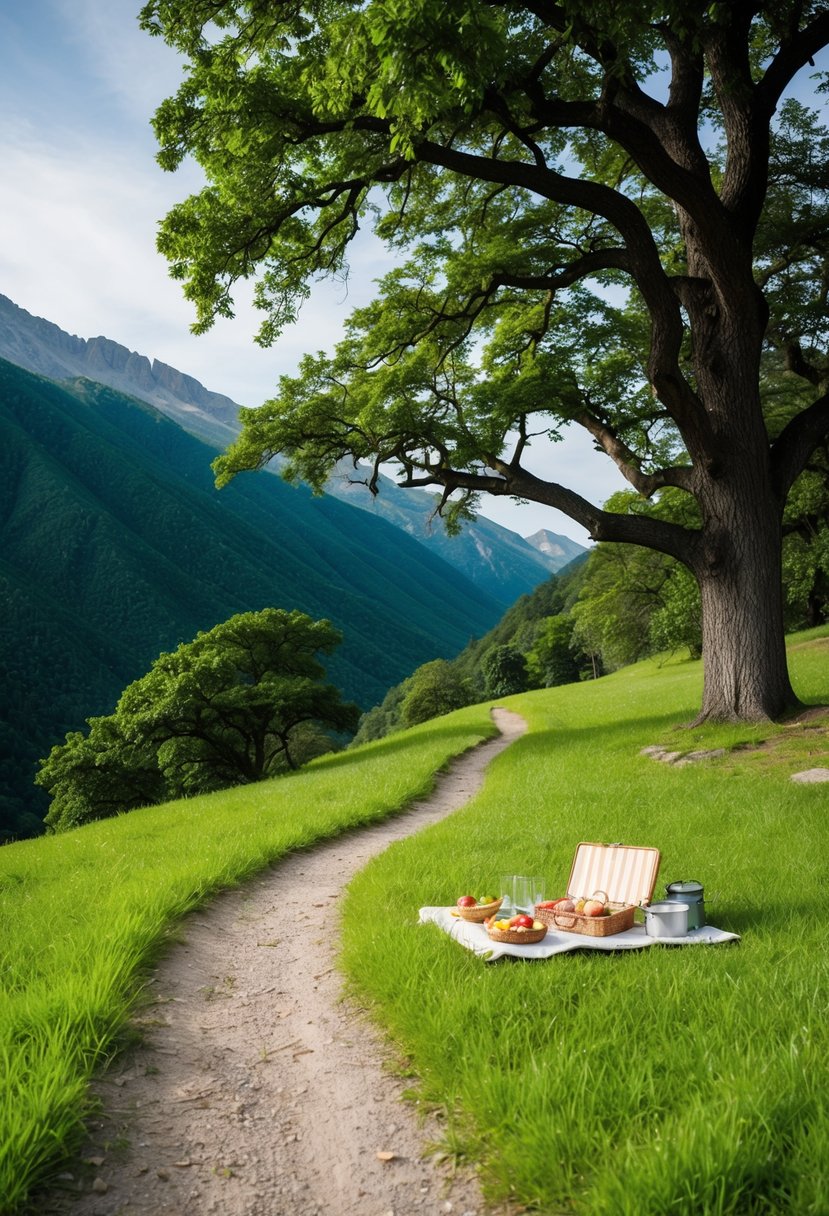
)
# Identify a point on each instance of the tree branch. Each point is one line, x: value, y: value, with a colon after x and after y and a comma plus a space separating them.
x: 627, y: 462
x: 796, y: 442
x: 797, y: 363
x: 515, y: 482
x: 792, y: 56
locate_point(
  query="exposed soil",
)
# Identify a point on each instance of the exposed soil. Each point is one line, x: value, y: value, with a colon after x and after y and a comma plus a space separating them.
x: 257, y: 1089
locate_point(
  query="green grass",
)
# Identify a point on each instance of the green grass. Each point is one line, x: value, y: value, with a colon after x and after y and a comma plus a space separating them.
x: 686, y: 1081
x: 82, y: 914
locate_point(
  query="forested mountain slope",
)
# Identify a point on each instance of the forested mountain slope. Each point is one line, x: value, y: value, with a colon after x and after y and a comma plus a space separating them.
x: 116, y: 546
x: 499, y: 561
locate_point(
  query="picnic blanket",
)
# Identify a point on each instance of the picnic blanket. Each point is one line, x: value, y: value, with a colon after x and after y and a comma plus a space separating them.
x: 475, y: 938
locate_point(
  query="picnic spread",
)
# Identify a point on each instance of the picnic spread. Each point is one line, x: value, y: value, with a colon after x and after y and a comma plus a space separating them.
x: 608, y: 884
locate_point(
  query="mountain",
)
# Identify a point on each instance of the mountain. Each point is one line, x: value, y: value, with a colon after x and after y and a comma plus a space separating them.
x: 43, y: 347
x: 116, y: 546
x: 497, y: 560
x: 560, y: 550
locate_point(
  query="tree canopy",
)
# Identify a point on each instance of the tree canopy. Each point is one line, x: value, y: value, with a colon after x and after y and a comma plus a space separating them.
x: 610, y: 216
x: 242, y: 701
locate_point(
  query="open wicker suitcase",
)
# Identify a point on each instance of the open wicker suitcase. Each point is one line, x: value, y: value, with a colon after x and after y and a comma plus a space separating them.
x: 624, y: 874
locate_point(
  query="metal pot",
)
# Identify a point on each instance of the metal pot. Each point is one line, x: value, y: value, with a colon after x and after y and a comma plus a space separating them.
x: 688, y: 892
x: 668, y: 919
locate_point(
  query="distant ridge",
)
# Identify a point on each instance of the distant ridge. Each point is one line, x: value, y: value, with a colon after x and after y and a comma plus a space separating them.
x: 559, y: 549
x: 496, y: 559
x: 43, y: 347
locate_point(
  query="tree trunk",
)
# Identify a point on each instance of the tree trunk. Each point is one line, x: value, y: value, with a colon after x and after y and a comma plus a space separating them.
x: 746, y: 677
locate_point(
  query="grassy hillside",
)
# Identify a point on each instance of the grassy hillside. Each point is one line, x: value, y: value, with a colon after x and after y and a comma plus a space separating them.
x: 116, y: 546
x: 690, y: 1081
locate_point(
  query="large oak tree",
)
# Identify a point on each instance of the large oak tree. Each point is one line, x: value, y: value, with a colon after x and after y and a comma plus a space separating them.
x: 605, y: 215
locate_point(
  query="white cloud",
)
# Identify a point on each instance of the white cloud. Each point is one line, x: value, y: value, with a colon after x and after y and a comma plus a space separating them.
x: 81, y: 219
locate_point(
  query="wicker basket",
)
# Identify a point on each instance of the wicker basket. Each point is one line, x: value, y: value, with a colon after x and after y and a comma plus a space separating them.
x: 620, y: 918
x: 620, y: 875
x: 517, y: 937
x: 481, y: 912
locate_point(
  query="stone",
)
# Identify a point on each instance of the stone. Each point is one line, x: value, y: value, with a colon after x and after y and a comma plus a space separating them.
x: 811, y: 776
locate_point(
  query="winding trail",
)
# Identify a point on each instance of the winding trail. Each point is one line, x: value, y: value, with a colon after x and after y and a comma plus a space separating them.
x: 259, y: 1091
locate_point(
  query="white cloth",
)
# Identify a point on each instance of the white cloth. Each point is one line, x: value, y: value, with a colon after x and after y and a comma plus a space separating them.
x: 475, y: 938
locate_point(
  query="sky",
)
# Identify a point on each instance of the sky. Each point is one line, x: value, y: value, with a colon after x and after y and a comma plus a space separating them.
x: 81, y: 195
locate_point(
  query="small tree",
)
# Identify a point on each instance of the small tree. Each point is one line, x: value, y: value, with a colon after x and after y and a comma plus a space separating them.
x: 677, y: 623
x: 626, y: 587
x: 551, y: 660
x: 504, y: 670
x: 243, y: 701
x: 434, y: 689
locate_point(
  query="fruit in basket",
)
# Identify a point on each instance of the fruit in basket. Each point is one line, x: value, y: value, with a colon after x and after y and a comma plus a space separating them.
x: 467, y: 901
x: 593, y: 907
x: 549, y: 904
x: 487, y: 899
x: 505, y: 925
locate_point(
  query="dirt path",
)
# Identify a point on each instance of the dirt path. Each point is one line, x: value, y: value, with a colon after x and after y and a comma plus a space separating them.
x: 258, y: 1091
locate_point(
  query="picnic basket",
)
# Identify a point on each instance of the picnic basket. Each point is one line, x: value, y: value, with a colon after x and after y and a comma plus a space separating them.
x: 624, y: 877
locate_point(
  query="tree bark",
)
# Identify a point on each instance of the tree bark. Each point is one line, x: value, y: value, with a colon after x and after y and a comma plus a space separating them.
x: 739, y: 571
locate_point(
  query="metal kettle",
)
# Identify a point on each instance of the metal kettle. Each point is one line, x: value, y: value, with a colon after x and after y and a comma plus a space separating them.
x: 688, y: 892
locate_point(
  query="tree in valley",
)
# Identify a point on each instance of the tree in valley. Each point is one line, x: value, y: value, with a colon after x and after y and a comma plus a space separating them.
x: 504, y: 669
x: 608, y: 216
x: 241, y: 702
x: 434, y: 689
x: 554, y: 657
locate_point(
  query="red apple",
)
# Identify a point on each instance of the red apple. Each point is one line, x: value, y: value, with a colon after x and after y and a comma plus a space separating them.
x: 521, y: 922
x: 467, y: 901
